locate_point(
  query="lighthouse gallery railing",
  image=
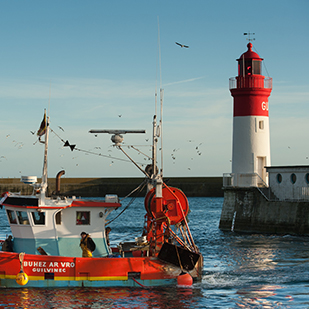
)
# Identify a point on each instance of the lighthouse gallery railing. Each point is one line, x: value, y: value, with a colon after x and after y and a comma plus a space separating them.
x: 252, y: 81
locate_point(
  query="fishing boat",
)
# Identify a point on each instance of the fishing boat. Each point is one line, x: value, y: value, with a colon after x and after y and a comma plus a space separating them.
x: 46, y: 234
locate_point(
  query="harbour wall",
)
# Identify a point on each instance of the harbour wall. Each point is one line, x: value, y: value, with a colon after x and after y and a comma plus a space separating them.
x: 99, y: 187
x: 246, y: 210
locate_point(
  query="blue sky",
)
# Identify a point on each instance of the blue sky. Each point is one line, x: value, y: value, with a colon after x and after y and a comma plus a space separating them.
x: 95, y: 60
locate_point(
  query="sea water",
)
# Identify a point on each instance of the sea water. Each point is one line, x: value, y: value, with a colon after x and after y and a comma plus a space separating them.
x: 240, y: 270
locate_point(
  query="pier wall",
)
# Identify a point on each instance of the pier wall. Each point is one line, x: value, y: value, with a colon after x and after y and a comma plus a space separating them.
x: 247, y: 210
x: 99, y: 187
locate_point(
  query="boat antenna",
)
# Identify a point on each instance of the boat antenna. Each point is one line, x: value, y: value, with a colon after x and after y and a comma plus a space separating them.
x: 158, y: 132
x: 49, y: 99
x: 44, y: 173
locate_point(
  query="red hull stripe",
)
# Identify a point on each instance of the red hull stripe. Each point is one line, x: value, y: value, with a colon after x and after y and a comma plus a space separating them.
x: 71, y: 278
x: 93, y: 204
x: 74, y: 204
x: 76, y: 269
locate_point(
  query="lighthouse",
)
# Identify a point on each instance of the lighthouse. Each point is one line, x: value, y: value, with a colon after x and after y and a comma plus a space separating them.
x: 251, y: 143
x: 258, y: 197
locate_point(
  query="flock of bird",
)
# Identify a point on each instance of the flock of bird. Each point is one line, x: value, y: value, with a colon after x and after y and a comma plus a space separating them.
x: 95, y: 150
x: 19, y: 145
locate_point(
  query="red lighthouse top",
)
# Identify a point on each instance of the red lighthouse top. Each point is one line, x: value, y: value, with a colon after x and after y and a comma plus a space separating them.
x: 249, y: 63
x: 249, y: 54
x: 250, y: 88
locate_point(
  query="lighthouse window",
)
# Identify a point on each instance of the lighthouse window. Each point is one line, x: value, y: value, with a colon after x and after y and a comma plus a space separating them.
x: 279, y: 178
x: 261, y: 125
x: 293, y: 178
x: 11, y: 216
x: 38, y: 218
x: 256, y: 67
x: 245, y: 67
x: 22, y: 217
x: 83, y: 218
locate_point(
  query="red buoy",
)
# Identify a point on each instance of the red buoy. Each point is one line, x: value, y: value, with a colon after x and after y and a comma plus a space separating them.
x: 185, y: 279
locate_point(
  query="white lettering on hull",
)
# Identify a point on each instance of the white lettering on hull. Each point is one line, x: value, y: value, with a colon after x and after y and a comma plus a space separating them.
x: 48, y: 267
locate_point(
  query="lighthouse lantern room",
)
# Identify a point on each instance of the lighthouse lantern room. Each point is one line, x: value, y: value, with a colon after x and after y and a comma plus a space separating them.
x: 251, y: 144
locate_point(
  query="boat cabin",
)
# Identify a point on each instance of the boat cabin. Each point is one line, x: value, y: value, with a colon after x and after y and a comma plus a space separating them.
x: 55, y: 227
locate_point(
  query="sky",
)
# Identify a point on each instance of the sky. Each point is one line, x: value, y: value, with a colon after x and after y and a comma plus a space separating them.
x: 97, y: 65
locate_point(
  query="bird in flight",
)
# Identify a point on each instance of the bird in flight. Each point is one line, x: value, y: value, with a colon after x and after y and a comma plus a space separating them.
x: 181, y: 45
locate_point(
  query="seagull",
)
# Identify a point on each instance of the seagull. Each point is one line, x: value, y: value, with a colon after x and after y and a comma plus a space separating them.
x: 181, y: 45
x: 60, y: 128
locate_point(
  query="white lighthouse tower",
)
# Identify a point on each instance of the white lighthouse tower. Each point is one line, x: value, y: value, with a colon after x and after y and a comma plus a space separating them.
x: 251, y: 144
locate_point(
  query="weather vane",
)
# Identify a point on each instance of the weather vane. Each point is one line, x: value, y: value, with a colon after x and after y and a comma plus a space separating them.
x: 249, y: 34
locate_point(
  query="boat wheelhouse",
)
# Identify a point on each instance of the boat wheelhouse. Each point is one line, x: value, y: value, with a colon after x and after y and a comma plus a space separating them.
x: 55, y: 227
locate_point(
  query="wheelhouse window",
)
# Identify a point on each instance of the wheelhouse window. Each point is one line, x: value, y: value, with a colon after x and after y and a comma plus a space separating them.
x: 12, y: 216
x: 58, y: 218
x: 38, y: 218
x: 22, y: 217
x: 83, y: 218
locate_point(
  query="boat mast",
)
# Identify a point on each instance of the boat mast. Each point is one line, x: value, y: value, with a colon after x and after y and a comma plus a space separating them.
x: 44, y: 172
x: 157, y: 175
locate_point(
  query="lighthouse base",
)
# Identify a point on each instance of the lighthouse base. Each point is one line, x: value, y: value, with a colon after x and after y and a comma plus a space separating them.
x: 247, y: 210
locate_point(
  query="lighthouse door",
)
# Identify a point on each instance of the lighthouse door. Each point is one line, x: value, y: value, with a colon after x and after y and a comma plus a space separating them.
x: 261, y: 162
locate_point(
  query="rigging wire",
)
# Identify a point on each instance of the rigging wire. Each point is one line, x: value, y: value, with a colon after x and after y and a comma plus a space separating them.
x: 161, y: 99
x: 139, y: 189
x: 263, y: 61
x: 91, y: 152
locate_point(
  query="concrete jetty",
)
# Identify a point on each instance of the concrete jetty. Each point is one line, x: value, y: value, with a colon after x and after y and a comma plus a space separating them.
x: 99, y: 187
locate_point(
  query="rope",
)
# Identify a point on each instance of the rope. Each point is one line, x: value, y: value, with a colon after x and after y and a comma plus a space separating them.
x: 138, y: 283
x: 21, y: 259
x: 140, y: 188
x: 142, y: 184
x: 184, y: 218
x: 179, y: 258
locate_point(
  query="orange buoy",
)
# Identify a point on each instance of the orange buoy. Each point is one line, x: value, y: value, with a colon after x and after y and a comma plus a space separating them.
x: 185, y: 279
x: 21, y: 278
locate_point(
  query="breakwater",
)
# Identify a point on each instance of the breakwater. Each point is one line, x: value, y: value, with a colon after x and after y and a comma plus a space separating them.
x: 99, y: 187
x: 247, y: 210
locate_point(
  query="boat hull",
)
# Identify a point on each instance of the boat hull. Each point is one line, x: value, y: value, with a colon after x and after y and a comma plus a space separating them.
x: 56, y: 271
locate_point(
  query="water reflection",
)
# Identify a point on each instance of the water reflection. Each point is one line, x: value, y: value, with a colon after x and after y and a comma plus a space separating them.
x: 263, y: 296
x: 168, y: 297
x: 255, y: 252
